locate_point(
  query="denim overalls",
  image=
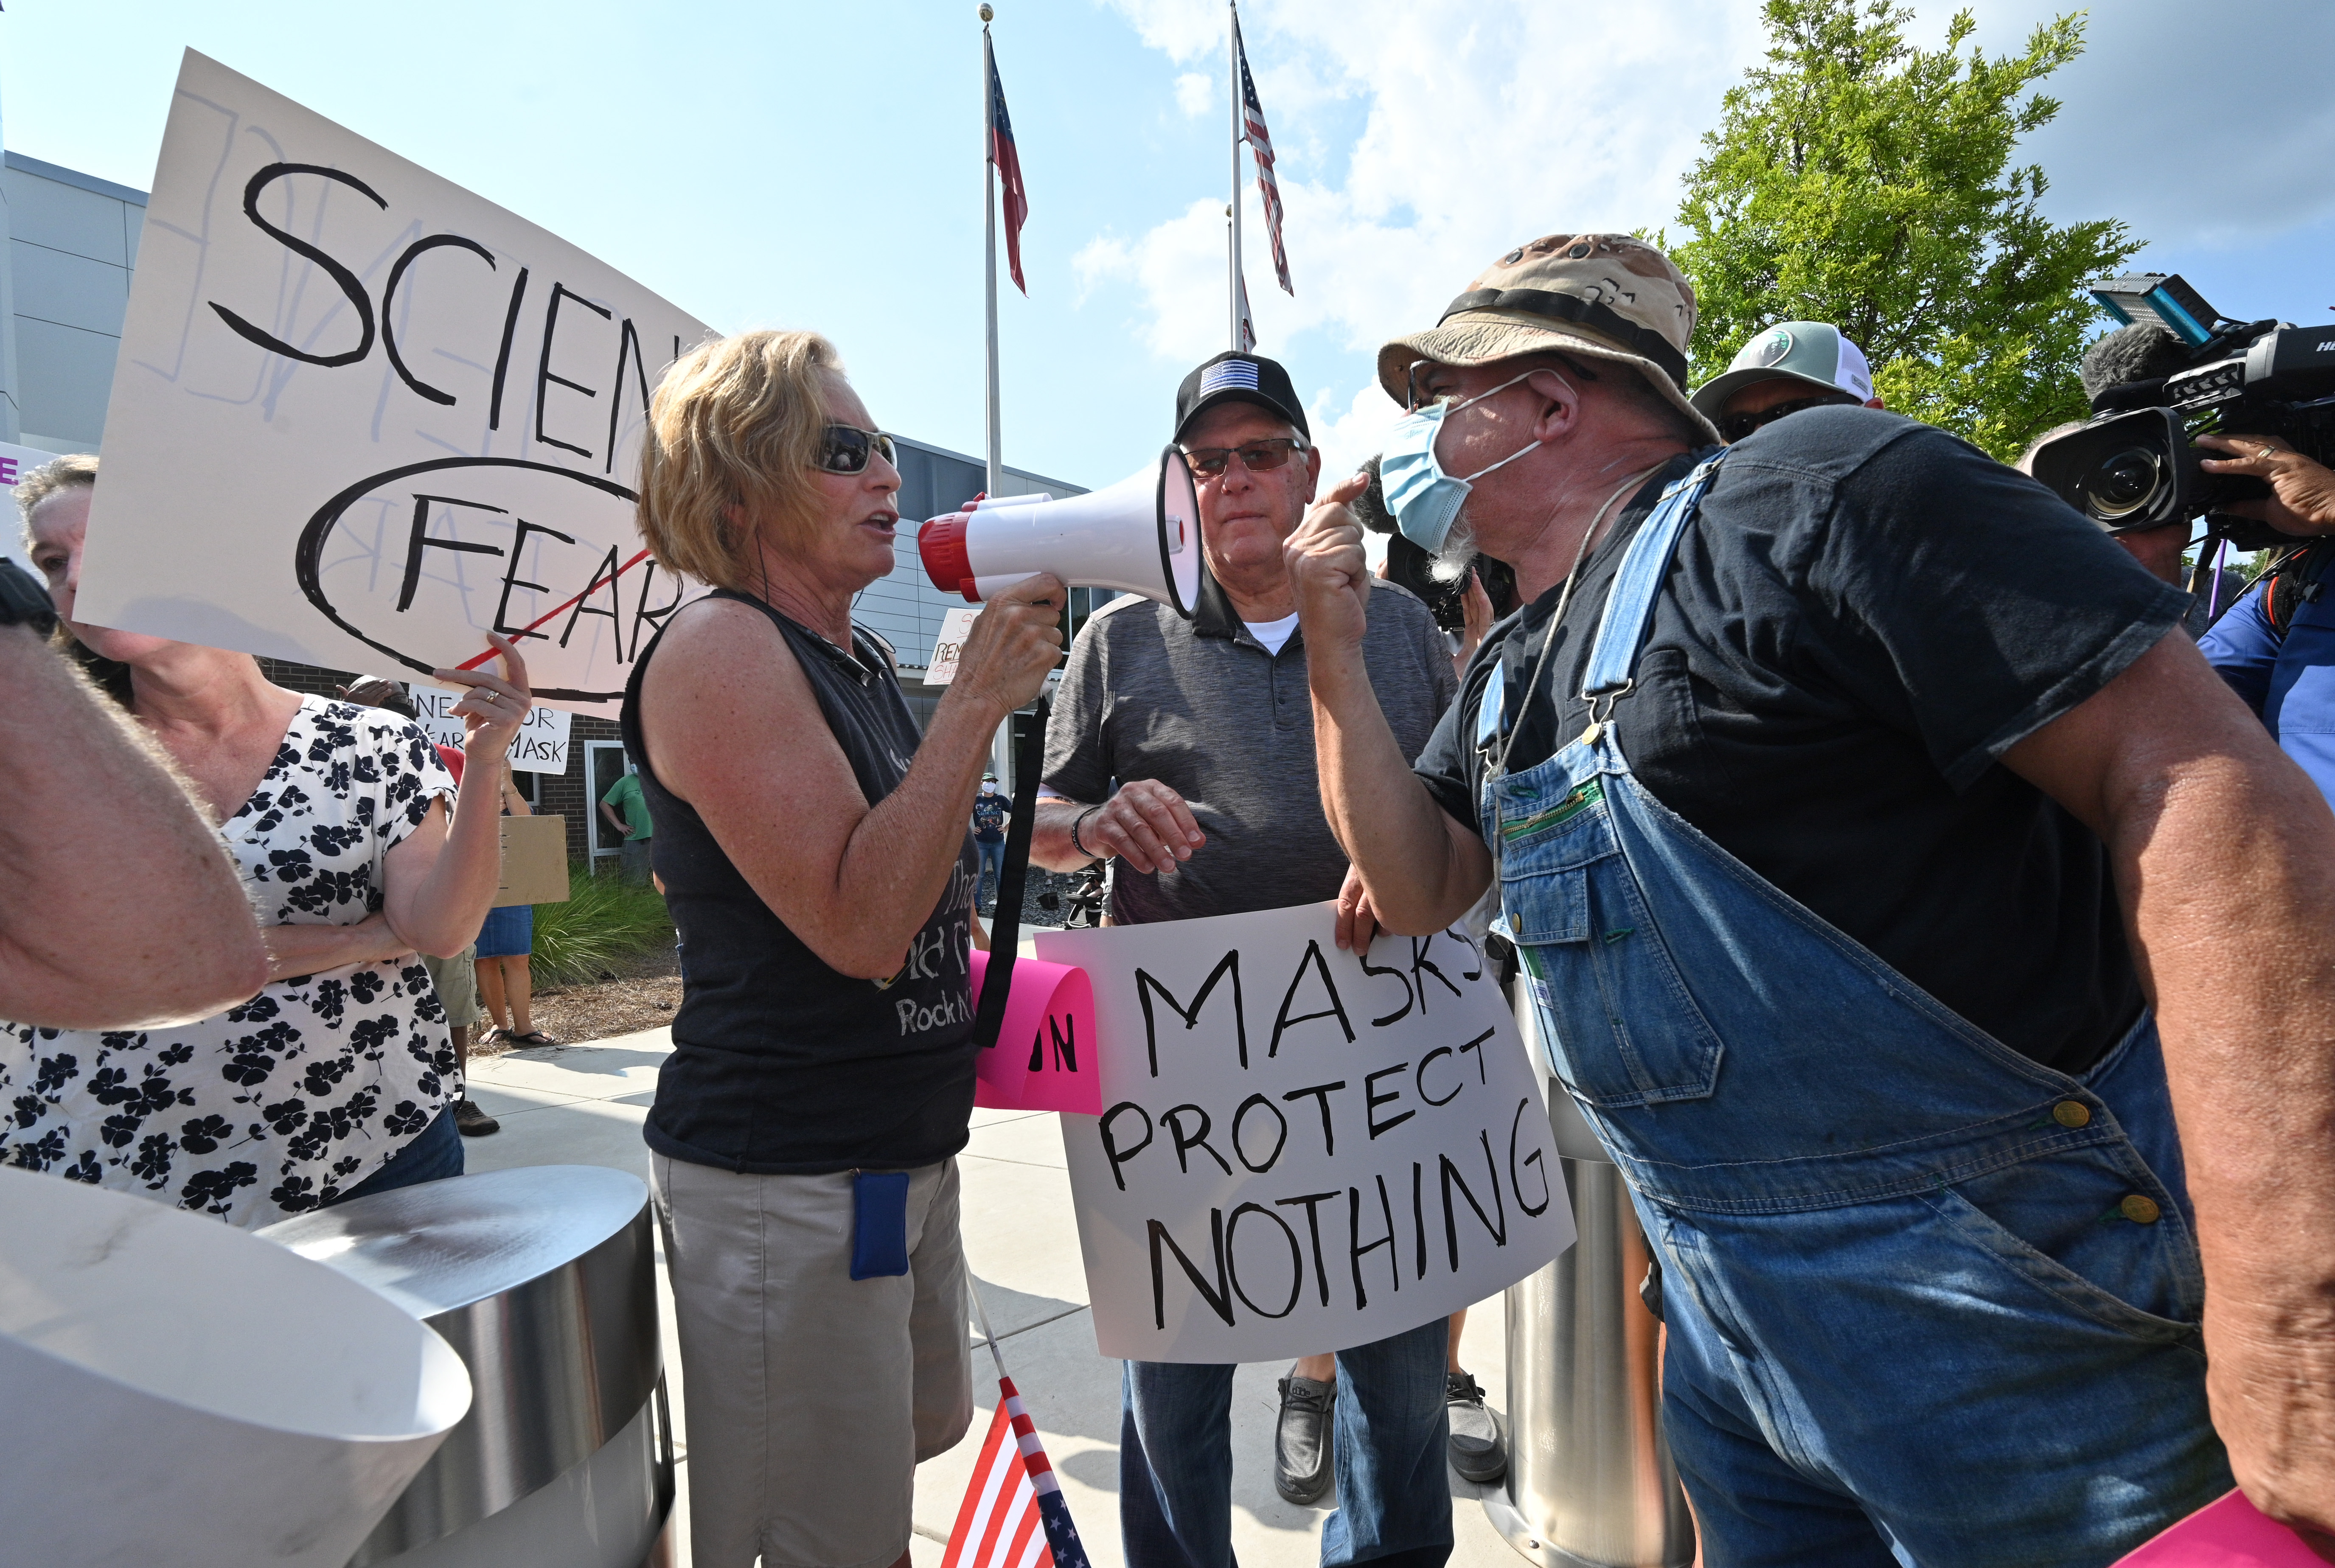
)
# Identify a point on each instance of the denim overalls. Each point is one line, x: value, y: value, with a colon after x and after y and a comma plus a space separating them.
x: 1928, y: 1301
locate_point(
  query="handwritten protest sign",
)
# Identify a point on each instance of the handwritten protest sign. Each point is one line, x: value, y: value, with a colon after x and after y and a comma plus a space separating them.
x: 15, y: 462
x: 540, y: 747
x: 1299, y: 1150
x: 361, y: 414
x: 1052, y: 1009
x: 948, y: 647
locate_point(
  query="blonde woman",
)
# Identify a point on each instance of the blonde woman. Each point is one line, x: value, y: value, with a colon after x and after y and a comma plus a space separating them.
x: 821, y: 1077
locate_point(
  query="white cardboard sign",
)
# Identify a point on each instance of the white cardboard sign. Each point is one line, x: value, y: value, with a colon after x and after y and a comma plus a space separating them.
x: 1301, y: 1150
x: 540, y: 747
x: 956, y: 625
x: 360, y: 411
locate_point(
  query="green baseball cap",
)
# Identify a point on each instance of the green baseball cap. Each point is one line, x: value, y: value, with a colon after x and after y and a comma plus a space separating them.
x: 1812, y: 352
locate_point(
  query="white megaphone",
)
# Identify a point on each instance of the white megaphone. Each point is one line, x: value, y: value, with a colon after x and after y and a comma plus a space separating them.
x: 1142, y: 536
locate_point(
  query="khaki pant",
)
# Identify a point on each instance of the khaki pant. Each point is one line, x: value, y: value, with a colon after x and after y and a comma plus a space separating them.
x: 811, y: 1396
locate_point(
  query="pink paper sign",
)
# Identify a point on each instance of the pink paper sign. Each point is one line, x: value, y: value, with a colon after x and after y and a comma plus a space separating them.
x: 2230, y: 1534
x: 1044, y: 1058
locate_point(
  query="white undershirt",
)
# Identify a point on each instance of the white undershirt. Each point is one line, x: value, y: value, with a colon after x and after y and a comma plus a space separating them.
x: 1272, y: 633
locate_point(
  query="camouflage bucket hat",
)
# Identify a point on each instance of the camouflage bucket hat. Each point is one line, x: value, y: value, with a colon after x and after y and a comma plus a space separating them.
x: 1606, y: 296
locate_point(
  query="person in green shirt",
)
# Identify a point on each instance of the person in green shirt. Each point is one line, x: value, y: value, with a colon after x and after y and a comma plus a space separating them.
x: 624, y: 796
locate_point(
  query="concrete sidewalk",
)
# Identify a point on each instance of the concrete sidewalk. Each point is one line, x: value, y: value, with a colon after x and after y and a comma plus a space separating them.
x: 584, y: 1105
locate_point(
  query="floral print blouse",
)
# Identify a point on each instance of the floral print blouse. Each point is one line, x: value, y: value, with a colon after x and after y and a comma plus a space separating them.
x: 287, y: 1100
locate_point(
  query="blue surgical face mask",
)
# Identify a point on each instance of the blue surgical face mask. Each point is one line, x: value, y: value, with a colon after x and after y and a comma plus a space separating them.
x: 1424, y: 499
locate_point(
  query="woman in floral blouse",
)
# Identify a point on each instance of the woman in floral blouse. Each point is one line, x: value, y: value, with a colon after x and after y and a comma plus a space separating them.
x: 335, y: 1079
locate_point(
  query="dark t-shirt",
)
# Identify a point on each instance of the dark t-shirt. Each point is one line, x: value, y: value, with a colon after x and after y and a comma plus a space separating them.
x: 989, y: 814
x: 1865, y: 616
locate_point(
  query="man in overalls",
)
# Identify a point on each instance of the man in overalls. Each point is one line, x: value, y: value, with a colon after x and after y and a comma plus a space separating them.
x: 1858, y: 822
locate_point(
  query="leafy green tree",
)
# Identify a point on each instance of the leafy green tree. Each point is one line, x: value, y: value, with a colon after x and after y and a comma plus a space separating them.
x: 1857, y: 179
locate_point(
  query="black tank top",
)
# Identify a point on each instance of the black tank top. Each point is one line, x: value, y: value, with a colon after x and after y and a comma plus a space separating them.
x: 780, y: 1065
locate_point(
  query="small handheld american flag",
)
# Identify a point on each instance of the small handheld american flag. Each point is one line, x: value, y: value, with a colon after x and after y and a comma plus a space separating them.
x: 1013, y: 1516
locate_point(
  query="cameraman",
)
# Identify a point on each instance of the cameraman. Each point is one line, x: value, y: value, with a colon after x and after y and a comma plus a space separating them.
x: 2276, y: 647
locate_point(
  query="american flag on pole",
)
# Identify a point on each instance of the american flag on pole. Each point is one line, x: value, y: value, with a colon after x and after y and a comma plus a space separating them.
x: 1013, y: 1516
x: 1008, y: 159
x: 1259, y: 146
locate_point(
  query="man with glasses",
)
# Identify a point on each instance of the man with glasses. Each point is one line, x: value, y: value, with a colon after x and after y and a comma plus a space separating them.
x: 1182, y: 751
x: 1791, y: 366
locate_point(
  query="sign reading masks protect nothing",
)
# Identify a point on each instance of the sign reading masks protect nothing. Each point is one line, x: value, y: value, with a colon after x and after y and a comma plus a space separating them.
x: 362, y: 416
x: 1301, y: 1150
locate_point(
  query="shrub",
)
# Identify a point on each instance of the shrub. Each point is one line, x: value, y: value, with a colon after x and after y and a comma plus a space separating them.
x: 604, y: 919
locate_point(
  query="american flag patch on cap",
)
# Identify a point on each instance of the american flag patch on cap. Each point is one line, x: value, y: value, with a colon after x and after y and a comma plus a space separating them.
x: 1236, y: 373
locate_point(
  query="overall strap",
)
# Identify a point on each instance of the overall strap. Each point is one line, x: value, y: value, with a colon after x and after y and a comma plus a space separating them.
x: 1630, y: 605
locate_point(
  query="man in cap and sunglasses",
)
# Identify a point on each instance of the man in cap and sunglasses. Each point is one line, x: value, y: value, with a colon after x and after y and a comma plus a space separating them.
x: 1841, y: 786
x: 1791, y: 366
x: 1182, y: 751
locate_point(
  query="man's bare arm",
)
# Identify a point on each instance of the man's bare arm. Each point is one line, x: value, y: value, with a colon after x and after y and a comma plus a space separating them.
x: 2224, y: 856
x: 123, y: 909
x: 1422, y: 869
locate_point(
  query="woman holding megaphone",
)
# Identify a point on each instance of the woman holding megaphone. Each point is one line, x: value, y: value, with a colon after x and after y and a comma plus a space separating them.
x: 822, y: 1072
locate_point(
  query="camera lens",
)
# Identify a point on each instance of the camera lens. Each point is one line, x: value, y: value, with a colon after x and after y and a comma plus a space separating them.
x: 2122, y: 483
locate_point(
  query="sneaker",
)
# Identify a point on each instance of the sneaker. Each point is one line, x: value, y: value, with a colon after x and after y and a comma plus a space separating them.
x: 472, y: 1122
x: 1301, y: 1440
x: 1476, y: 1452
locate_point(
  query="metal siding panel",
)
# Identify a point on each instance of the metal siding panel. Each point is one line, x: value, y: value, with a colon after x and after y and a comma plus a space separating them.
x: 70, y: 290
x: 65, y: 217
x: 66, y: 374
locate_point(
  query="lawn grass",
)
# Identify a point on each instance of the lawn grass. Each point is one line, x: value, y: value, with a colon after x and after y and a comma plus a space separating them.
x: 604, y: 919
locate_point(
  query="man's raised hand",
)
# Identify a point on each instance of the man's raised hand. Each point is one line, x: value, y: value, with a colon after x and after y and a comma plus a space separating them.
x: 1328, y: 572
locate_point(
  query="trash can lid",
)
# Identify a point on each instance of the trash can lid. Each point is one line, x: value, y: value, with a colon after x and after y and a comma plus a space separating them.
x: 442, y: 1245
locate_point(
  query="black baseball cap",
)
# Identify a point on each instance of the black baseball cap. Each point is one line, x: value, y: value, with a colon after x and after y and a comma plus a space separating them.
x: 1236, y: 377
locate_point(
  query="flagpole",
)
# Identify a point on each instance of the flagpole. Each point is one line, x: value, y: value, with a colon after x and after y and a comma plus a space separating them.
x: 981, y: 1317
x: 1232, y: 70
x: 989, y: 213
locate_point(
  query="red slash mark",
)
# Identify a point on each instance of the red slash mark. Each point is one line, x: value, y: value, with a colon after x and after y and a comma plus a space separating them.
x: 564, y: 604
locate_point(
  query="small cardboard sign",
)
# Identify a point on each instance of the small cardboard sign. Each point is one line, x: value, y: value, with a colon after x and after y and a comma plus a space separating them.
x: 1052, y: 1006
x: 535, y: 861
x: 956, y: 625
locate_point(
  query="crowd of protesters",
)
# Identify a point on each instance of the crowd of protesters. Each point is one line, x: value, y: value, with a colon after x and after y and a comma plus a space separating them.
x: 1875, y: 859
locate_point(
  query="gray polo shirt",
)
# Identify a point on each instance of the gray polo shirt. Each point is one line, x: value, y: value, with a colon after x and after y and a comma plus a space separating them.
x: 1200, y: 706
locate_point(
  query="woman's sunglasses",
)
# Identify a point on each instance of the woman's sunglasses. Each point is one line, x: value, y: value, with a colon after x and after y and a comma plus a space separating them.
x: 845, y: 448
x: 1257, y: 457
x: 1733, y: 428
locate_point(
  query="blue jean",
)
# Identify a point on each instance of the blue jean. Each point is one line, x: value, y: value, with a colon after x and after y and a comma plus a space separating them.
x: 435, y: 1153
x: 1176, y: 1459
x: 1929, y: 1301
x: 992, y: 863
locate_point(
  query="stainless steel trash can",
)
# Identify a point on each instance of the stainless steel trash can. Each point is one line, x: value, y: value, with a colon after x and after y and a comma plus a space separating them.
x: 544, y: 1279
x: 1590, y: 1479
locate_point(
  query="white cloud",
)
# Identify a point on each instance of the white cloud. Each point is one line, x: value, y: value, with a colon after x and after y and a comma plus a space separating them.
x: 1196, y: 94
x: 1478, y: 130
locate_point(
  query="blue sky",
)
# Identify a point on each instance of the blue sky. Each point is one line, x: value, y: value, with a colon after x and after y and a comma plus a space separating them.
x: 820, y: 165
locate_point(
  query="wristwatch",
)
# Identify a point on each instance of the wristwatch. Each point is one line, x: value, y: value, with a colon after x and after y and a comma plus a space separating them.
x: 24, y: 601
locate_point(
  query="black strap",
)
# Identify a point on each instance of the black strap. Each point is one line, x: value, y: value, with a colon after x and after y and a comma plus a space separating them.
x: 2294, y: 582
x: 1005, y: 925
x: 1642, y: 340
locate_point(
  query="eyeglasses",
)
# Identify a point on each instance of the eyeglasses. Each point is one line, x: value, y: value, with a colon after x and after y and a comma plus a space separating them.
x: 1256, y: 457
x: 1411, y: 376
x: 1733, y: 428
x: 845, y: 448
